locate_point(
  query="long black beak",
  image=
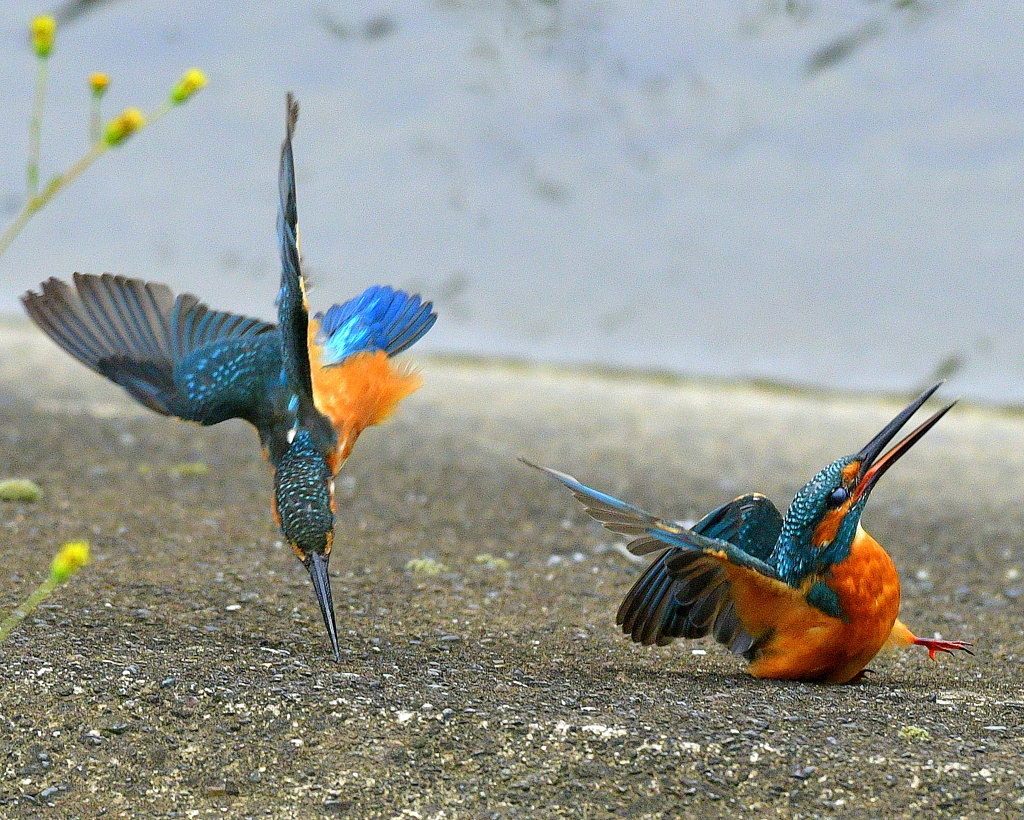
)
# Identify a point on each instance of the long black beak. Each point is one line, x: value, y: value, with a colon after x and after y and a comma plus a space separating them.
x: 317, y: 567
x: 872, y: 467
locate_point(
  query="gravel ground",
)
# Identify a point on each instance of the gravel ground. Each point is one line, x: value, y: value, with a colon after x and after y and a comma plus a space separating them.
x: 186, y: 673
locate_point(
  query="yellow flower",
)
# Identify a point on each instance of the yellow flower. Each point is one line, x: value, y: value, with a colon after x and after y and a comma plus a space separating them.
x: 191, y: 81
x: 43, y: 29
x: 123, y: 126
x: 72, y: 557
x: 98, y: 82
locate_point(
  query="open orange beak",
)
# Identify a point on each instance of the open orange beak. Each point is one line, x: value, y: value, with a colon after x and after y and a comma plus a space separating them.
x: 872, y: 464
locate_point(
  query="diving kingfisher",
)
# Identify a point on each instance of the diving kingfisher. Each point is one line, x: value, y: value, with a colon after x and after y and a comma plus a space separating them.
x: 308, y: 386
x: 808, y: 597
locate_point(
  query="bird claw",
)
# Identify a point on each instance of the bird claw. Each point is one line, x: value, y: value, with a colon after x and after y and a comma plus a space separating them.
x: 934, y: 645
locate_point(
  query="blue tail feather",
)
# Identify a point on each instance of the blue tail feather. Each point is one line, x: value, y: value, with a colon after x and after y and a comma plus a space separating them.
x: 380, y: 318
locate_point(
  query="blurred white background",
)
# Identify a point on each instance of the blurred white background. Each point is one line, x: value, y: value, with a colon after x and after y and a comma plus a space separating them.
x: 814, y: 192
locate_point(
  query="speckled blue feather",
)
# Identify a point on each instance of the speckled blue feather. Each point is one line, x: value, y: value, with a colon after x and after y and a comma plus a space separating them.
x: 795, y: 557
x: 172, y: 353
x: 302, y: 494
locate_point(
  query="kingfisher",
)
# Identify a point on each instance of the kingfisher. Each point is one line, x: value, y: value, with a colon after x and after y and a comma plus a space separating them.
x: 309, y: 386
x: 809, y: 597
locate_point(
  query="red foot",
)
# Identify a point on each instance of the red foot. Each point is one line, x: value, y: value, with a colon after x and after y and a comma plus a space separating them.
x: 934, y: 645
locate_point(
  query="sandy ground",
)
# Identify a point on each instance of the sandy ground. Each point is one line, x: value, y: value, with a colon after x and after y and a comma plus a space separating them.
x: 186, y: 673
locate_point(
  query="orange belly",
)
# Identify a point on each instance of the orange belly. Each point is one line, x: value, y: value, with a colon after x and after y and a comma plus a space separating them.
x: 806, y: 644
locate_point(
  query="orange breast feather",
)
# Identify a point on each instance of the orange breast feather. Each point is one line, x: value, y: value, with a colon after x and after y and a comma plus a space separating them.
x: 362, y: 391
x: 806, y: 644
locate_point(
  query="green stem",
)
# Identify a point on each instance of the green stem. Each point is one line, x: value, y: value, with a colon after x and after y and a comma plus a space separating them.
x: 160, y: 110
x: 95, y: 120
x: 37, y: 202
x: 35, y: 126
x: 22, y: 612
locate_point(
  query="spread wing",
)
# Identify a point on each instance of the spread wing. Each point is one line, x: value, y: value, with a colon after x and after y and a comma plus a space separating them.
x: 292, y: 311
x: 173, y: 354
x: 686, y: 591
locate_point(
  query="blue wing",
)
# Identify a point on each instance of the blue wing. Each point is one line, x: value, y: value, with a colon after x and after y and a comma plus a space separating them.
x: 380, y: 318
x: 713, y: 533
x: 293, y: 316
x: 173, y: 354
x: 685, y: 592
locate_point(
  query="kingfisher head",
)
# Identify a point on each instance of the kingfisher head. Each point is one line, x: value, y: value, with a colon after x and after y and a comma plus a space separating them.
x: 304, y: 506
x: 822, y: 521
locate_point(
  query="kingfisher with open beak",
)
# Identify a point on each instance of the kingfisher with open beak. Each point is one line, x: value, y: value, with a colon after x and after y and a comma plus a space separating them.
x: 808, y: 597
x: 308, y: 386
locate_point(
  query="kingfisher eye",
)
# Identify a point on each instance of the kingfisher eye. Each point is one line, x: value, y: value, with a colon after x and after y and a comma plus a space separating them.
x: 840, y: 495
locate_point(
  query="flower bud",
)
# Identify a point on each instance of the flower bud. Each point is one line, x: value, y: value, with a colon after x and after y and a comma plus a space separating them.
x: 72, y: 557
x: 98, y: 82
x: 191, y: 81
x: 43, y: 29
x: 123, y: 126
